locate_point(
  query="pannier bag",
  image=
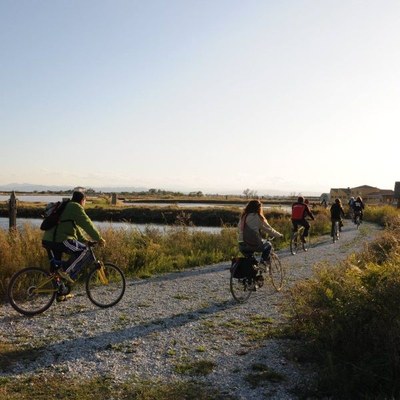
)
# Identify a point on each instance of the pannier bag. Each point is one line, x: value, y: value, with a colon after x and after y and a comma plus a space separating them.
x: 244, y: 267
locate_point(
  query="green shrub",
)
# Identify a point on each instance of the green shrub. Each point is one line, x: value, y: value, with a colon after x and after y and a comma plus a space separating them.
x: 349, y: 318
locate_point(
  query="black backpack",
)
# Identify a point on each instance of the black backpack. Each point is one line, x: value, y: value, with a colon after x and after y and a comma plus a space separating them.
x: 52, y: 214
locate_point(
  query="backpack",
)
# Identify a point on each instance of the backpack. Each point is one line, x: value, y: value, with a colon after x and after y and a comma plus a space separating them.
x: 244, y: 267
x: 52, y: 214
x: 298, y: 211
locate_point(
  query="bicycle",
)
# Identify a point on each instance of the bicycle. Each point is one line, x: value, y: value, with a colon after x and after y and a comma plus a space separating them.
x: 335, y: 231
x: 242, y: 285
x: 297, y: 241
x: 357, y: 219
x: 32, y: 290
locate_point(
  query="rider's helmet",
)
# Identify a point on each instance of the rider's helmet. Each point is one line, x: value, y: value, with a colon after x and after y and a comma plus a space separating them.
x: 300, y: 199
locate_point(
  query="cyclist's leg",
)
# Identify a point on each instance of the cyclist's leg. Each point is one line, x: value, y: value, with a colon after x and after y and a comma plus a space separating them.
x: 266, y: 250
x: 332, y: 227
x: 245, y: 249
x: 295, y: 225
x: 79, y: 256
x: 306, y: 225
x: 54, y: 253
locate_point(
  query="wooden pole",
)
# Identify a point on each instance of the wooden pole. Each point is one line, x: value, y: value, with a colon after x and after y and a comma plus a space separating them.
x: 12, y: 208
x: 114, y: 199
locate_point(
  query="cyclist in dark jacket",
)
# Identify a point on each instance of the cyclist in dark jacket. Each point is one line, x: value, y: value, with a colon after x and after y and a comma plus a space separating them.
x: 337, y: 213
x: 358, y: 207
x: 300, y: 211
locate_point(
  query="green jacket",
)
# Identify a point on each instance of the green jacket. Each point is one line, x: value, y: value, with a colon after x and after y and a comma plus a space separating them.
x: 73, y: 221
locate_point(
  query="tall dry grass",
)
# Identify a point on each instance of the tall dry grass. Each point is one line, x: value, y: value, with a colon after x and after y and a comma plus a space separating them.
x: 138, y: 254
x: 348, y: 316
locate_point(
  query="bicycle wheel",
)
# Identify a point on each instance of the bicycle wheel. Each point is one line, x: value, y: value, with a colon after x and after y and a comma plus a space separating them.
x: 105, y: 285
x: 276, y: 272
x: 31, y: 291
x: 306, y: 243
x: 295, y: 243
x: 240, y: 287
x: 335, y: 232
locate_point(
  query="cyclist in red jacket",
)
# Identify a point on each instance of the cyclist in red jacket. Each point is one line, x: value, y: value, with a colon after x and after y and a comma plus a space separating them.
x: 300, y: 211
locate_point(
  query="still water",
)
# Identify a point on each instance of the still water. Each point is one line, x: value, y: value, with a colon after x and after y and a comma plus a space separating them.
x: 4, y: 223
x: 50, y: 198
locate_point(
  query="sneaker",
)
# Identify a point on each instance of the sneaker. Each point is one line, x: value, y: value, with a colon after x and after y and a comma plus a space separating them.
x: 61, y: 298
x: 252, y: 287
x: 64, y: 275
x: 62, y: 289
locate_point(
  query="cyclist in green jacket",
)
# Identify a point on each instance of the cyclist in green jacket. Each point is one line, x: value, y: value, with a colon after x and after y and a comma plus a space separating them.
x: 68, y: 237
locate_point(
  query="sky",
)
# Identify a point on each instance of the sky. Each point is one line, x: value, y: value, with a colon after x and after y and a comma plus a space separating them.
x: 218, y: 96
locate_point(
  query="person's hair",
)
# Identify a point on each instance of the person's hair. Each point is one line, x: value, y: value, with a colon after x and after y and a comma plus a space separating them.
x: 359, y: 198
x: 253, y: 206
x: 337, y: 201
x: 300, y: 199
x: 77, y: 196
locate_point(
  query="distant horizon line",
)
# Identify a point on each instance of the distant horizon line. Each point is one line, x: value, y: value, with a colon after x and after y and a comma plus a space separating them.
x: 31, y: 187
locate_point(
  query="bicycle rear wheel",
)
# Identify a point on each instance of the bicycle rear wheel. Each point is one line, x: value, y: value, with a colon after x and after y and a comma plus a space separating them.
x: 335, y: 232
x: 276, y: 272
x: 31, y: 291
x: 105, y: 285
x: 239, y: 287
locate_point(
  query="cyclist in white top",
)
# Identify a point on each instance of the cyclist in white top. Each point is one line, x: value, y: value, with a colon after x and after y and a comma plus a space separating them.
x: 252, y: 227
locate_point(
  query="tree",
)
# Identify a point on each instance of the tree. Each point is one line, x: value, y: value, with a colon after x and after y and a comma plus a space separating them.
x: 250, y: 193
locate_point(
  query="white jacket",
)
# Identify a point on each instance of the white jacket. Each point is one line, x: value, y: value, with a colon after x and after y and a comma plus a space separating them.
x: 252, y: 228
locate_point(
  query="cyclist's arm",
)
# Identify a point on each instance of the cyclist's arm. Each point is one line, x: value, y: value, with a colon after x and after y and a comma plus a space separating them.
x: 307, y: 212
x: 85, y: 223
x: 269, y: 230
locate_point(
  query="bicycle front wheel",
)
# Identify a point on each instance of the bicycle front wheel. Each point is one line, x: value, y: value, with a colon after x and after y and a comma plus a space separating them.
x: 295, y: 243
x: 31, y: 291
x: 276, y: 272
x: 105, y: 285
x: 240, y: 287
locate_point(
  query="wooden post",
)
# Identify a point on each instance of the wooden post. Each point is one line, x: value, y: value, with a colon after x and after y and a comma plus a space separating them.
x: 12, y: 208
x: 114, y: 199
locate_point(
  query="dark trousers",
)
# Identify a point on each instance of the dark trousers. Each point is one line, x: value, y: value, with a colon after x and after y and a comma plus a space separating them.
x: 333, y: 224
x: 77, y: 251
x: 301, y: 222
x: 264, y: 249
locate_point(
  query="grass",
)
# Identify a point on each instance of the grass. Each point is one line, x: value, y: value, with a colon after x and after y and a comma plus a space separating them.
x: 63, y: 388
x: 197, y: 367
x: 139, y: 254
x: 348, y: 317
x: 261, y: 374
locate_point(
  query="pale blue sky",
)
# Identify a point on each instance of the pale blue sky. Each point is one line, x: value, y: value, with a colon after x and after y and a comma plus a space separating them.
x: 213, y: 95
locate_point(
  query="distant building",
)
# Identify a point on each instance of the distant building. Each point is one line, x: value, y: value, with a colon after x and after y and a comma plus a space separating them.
x: 369, y: 194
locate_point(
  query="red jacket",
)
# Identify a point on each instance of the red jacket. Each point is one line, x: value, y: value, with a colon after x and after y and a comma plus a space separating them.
x: 300, y: 211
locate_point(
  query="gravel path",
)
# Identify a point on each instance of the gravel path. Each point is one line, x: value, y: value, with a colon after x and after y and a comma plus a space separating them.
x: 168, y: 321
